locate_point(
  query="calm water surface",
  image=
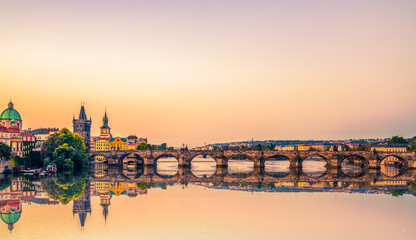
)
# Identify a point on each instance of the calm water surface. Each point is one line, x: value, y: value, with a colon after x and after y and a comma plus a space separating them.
x: 238, y: 207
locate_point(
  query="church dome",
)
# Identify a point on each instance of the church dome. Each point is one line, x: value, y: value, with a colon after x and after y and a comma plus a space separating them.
x: 10, y: 113
x: 10, y: 218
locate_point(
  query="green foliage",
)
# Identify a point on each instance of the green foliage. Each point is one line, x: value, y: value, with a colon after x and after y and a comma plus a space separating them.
x: 397, y: 139
x: 5, y: 183
x: 412, y: 147
x: 65, y: 149
x: 67, y: 158
x: 269, y: 147
x: 345, y: 148
x: 16, y: 161
x: 63, y: 136
x: 5, y: 151
x: 412, y: 186
x: 142, y: 146
x: 397, y: 192
x: 33, y: 160
x: 142, y: 186
x: 66, y: 186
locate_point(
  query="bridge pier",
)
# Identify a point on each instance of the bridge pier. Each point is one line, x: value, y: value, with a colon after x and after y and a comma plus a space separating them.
x: 374, y: 163
x: 149, y: 170
x: 183, y: 162
x: 148, y: 161
x: 221, y: 171
x: 221, y: 162
x: 334, y: 171
x: 259, y: 163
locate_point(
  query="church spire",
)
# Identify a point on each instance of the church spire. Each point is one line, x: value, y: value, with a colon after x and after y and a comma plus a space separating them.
x: 105, y: 120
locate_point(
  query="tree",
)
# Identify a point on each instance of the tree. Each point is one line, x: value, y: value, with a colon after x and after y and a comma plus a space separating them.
x: 142, y: 146
x: 68, y: 158
x: 63, y: 136
x: 163, y: 146
x: 5, y: 151
x: 413, y: 146
x: 397, y: 139
x: 65, y: 149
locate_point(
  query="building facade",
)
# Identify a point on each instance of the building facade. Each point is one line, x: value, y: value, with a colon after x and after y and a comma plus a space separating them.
x: 390, y: 148
x: 102, y: 143
x: 42, y: 134
x: 11, y: 133
x: 82, y: 126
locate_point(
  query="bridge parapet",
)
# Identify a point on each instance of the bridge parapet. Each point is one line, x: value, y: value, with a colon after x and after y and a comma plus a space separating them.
x: 296, y: 158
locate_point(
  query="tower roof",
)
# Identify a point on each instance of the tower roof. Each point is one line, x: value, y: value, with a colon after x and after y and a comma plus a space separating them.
x: 10, y: 113
x: 105, y: 120
x: 82, y: 114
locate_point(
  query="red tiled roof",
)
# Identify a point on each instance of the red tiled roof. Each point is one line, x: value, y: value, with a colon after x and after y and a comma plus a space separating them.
x: 13, y: 129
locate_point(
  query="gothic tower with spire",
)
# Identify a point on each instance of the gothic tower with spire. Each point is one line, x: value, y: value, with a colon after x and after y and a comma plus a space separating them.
x: 82, y: 126
x: 82, y: 206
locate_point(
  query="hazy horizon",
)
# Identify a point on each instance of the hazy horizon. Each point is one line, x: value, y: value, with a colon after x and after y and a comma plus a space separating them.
x: 197, y: 72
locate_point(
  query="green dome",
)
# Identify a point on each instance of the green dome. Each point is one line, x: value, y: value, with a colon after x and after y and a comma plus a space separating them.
x: 10, y: 113
x: 10, y: 218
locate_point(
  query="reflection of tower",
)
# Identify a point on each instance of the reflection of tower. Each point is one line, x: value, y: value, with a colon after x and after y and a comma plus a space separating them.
x: 105, y: 202
x: 82, y: 126
x: 82, y: 206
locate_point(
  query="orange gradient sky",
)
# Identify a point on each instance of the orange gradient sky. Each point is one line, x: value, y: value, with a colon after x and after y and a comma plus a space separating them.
x: 198, y: 72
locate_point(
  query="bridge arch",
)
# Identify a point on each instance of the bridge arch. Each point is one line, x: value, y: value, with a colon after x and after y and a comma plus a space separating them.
x: 362, y: 159
x: 99, y: 158
x: 315, y: 165
x: 277, y: 165
x: 166, y: 155
x: 203, y: 166
x: 353, y: 165
x: 385, y: 159
x: 138, y: 158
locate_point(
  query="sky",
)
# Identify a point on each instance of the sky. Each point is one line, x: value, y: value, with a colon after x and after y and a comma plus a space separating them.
x: 196, y: 72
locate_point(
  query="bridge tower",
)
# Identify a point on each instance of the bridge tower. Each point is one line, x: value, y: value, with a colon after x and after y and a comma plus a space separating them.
x: 82, y: 126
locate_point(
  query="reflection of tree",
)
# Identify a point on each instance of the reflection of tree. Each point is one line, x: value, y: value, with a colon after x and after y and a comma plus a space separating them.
x: 412, y: 186
x: 142, y: 186
x: 66, y: 187
x: 4, y: 183
x: 397, y: 192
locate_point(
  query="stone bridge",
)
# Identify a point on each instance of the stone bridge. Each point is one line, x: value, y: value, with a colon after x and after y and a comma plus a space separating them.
x: 296, y: 158
x: 149, y: 174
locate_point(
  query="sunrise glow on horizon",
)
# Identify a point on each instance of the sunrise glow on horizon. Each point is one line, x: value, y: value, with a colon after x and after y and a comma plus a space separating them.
x: 197, y: 72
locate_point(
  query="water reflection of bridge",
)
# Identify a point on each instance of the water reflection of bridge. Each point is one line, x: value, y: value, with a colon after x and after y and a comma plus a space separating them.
x: 184, y: 175
x: 259, y: 158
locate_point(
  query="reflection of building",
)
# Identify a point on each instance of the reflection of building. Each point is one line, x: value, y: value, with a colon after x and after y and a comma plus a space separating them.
x: 390, y: 148
x: 82, y: 206
x: 118, y: 188
x: 11, y: 132
x: 133, y: 190
x: 105, y: 203
x: 11, y: 199
x: 42, y: 197
x: 82, y: 126
x: 389, y: 170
